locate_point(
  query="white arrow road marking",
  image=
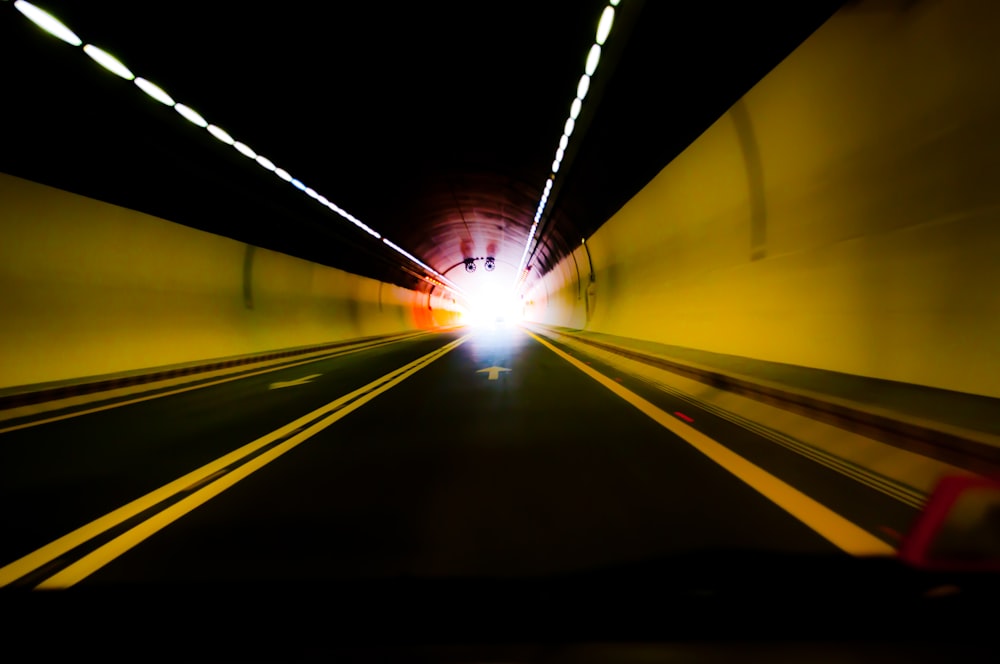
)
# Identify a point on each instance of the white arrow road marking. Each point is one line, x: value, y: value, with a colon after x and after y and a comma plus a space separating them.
x: 292, y: 383
x: 494, y: 372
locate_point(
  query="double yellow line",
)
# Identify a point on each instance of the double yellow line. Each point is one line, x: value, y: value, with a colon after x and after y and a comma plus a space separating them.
x: 196, y: 487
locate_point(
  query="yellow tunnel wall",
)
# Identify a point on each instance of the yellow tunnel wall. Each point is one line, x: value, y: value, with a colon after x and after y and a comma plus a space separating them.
x: 843, y: 215
x: 88, y: 288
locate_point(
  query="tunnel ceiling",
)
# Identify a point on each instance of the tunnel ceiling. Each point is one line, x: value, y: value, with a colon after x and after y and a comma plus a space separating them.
x: 434, y: 123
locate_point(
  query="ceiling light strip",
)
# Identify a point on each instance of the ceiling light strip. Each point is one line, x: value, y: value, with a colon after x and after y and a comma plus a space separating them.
x: 582, y: 87
x: 57, y: 28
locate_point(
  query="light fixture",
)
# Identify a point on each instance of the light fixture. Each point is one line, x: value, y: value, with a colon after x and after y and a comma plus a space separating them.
x: 108, y: 61
x: 55, y: 27
x: 470, y: 265
x: 592, y: 59
x: 191, y: 115
x: 582, y: 88
x: 47, y: 22
x: 604, y: 25
x: 221, y: 134
x: 490, y: 263
x: 245, y: 150
x: 154, y: 91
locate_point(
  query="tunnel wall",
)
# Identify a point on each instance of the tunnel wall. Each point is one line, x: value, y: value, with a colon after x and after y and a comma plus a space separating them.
x: 843, y: 215
x: 565, y: 295
x: 88, y: 288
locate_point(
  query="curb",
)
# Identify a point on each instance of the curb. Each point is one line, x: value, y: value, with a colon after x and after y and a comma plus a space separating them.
x: 43, y: 395
x: 957, y: 448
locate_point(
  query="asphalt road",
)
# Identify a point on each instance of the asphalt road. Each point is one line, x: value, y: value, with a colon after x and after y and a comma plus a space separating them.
x: 492, y: 456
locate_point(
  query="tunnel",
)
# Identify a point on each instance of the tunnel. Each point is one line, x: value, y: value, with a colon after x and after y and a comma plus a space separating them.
x: 494, y: 323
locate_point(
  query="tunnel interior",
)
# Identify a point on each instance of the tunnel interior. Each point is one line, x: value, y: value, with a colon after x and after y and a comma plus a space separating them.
x: 437, y: 128
x: 728, y: 267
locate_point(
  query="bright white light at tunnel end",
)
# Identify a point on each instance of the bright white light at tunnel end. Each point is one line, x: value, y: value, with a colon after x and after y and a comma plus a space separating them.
x: 488, y: 313
x: 489, y: 301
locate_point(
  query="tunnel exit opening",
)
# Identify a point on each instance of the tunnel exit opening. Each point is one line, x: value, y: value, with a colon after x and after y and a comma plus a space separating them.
x: 491, y: 301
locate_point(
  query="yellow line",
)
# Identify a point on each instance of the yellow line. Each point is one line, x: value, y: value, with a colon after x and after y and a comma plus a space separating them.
x: 827, y: 523
x: 32, y: 561
x: 152, y: 386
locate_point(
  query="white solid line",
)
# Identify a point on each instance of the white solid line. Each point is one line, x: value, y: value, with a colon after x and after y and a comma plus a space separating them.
x: 190, y: 378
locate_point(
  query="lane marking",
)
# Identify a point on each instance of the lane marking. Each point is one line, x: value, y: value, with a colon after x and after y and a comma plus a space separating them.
x: 128, y: 402
x: 890, y: 486
x: 292, y: 383
x: 494, y: 372
x: 683, y: 416
x: 842, y: 533
x: 870, y: 478
x: 209, y: 480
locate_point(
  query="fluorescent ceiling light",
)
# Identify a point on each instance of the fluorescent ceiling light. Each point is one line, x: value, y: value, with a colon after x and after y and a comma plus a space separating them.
x: 568, y: 129
x: 245, y: 150
x: 604, y: 26
x: 108, y: 61
x: 56, y: 28
x: 592, y: 59
x: 221, y: 134
x: 191, y: 115
x: 154, y: 91
x: 47, y: 22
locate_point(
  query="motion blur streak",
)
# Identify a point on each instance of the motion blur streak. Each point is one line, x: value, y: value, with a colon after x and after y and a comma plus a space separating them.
x: 841, y: 215
x: 835, y: 528
x: 798, y: 252
x: 217, y: 475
